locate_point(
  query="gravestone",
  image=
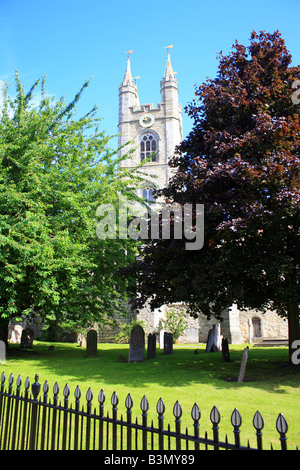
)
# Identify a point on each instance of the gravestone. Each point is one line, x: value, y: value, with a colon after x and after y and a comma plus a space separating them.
x: 217, y: 337
x: 16, y: 334
x: 137, y: 344
x: 151, y: 350
x: 81, y: 340
x: 192, y: 335
x: 91, y: 343
x: 210, y: 341
x: 225, y: 350
x: 168, y: 343
x: 213, y: 343
x: 2, y: 352
x: 243, y: 365
x: 27, y: 339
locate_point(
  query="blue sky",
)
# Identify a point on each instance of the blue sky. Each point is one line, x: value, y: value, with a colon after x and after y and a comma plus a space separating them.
x: 73, y: 40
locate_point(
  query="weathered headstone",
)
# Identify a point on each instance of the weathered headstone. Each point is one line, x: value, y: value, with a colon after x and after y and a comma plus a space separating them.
x: 210, y: 341
x: 137, y: 344
x: 2, y: 352
x: 151, y: 350
x: 217, y: 337
x: 27, y: 339
x: 243, y: 365
x: 213, y: 343
x: 15, y: 334
x: 91, y: 343
x: 225, y: 350
x: 168, y: 343
x: 81, y: 340
x: 192, y: 335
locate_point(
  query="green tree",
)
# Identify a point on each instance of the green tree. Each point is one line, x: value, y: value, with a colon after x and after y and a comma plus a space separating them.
x: 55, y: 170
x: 241, y: 160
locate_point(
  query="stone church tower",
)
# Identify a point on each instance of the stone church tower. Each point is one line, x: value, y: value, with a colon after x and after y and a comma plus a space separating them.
x: 154, y: 130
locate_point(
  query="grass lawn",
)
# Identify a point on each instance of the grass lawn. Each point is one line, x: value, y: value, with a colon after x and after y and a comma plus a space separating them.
x: 271, y: 384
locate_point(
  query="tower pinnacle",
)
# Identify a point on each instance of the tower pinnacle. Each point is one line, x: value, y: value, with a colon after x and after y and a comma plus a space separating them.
x: 128, y: 76
x: 169, y: 70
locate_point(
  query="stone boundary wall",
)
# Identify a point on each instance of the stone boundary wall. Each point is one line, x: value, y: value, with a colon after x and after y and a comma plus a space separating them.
x: 271, y: 324
x: 107, y: 334
x: 197, y: 328
x: 236, y: 325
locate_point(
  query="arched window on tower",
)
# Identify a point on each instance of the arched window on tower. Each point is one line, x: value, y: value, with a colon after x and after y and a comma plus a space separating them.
x: 148, y: 194
x: 149, y: 147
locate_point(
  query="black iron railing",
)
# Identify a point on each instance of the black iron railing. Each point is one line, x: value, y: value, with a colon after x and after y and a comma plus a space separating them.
x: 30, y: 421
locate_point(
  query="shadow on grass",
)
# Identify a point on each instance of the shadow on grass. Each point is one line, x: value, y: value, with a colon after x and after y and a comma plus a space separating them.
x: 267, y: 368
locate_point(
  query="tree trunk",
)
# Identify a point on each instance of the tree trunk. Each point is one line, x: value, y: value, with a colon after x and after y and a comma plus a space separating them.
x: 294, y: 326
x: 4, y: 329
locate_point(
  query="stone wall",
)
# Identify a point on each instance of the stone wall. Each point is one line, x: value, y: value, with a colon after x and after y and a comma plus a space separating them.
x: 236, y: 325
x: 271, y: 325
x: 107, y: 333
x: 197, y: 328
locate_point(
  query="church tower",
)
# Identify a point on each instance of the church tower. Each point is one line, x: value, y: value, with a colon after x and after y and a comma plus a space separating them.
x: 154, y: 131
